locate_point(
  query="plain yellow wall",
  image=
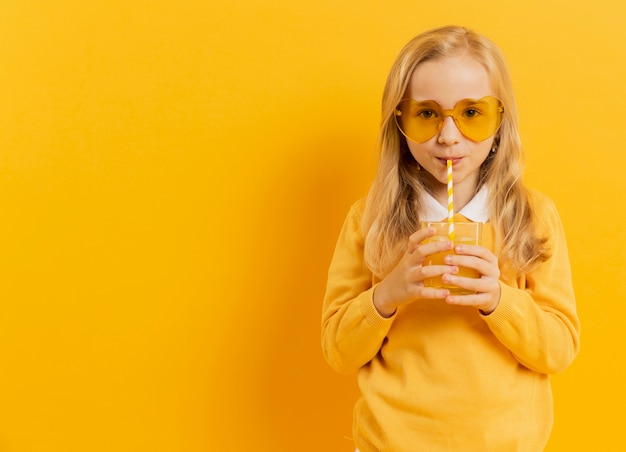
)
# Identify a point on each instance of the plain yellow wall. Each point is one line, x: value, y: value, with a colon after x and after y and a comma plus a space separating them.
x: 173, y: 175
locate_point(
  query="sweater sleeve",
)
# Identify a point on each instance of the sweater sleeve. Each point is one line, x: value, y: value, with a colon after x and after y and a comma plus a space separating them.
x: 352, y: 329
x: 537, y: 320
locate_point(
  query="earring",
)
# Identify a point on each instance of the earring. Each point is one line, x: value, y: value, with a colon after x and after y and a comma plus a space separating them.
x: 495, y: 145
x: 419, y: 168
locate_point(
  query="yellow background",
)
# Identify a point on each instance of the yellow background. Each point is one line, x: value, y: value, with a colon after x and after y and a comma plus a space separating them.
x: 173, y: 175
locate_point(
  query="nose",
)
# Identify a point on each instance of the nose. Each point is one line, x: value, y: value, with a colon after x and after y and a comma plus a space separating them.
x: 449, y: 133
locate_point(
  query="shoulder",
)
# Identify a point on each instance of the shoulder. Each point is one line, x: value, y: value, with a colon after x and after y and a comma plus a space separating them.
x: 352, y: 224
x: 539, y: 201
x: 358, y: 207
x: 544, y: 210
x: 355, y: 215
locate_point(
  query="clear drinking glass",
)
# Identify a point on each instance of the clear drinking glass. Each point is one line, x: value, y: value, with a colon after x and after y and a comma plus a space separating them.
x: 465, y: 233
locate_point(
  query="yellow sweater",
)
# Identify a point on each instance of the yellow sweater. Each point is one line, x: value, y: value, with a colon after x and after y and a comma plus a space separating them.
x: 436, y: 377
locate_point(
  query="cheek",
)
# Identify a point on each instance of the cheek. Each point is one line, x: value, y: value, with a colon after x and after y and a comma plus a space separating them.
x: 417, y: 150
x: 482, y: 150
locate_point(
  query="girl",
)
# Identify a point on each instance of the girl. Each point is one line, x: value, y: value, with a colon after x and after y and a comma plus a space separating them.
x: 443, y: 372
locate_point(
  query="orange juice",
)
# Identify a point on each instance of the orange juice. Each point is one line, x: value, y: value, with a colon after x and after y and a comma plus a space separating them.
x: 464, y: 233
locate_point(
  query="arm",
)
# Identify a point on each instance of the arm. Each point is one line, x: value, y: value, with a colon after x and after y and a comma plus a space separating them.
x: 537, y: 322
x: 352, y: 329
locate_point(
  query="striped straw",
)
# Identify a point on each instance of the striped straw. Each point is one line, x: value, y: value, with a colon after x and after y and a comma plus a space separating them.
x: 450, y: 202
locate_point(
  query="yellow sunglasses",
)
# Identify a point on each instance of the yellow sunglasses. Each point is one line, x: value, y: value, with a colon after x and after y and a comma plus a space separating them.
x: 419, y: 121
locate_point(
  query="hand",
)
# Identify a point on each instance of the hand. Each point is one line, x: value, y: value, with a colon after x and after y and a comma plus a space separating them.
x: 405, y: 283
x: 487, y: 287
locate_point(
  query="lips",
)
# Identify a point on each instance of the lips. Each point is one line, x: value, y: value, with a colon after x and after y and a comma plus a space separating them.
x: 455, y: 160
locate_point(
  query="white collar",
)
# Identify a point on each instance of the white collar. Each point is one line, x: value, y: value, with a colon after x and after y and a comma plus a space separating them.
x: 476, y: 210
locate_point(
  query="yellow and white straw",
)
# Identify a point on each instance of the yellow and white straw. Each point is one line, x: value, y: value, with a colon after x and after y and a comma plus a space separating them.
x: 450, y: 202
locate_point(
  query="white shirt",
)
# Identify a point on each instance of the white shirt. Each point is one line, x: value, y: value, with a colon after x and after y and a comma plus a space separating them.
x: 476, y: 210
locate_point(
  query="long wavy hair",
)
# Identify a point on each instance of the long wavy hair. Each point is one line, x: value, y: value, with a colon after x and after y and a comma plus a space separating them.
x: 395, y: 198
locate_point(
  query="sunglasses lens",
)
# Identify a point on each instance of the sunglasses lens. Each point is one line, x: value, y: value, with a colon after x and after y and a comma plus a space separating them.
x: 476, y: 119
x: 418, y: 121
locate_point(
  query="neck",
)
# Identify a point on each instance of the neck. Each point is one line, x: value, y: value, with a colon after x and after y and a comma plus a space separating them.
x: 463, y: 192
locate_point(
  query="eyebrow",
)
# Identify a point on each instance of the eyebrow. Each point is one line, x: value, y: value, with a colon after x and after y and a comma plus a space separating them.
x: 475, y: 98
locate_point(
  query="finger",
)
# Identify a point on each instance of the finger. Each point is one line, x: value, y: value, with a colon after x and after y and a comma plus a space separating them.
x: 467, y: 261
x: 466, y: 300
x: 483, y: 266
x: 483, y: 287
x: 434, y: 247
x: 479, y: 301
x: 470, y: 284
x: 476, y: 250
x: 431, y: 292
x: 432, y: 271
x: 418, y: 237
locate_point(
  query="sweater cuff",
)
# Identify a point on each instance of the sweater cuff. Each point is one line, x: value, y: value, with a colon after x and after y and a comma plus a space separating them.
x: 504, y: 311
x: 371, y: 314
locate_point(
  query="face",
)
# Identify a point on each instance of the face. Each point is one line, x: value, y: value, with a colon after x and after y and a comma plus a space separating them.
x: 447, y: 81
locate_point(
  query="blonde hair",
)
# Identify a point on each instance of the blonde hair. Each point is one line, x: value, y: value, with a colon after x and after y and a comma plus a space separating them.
x: 395, y: 198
